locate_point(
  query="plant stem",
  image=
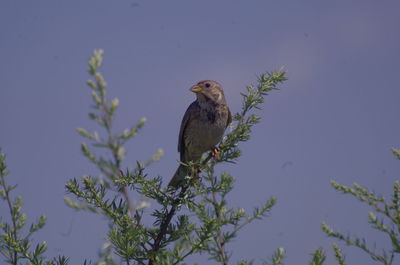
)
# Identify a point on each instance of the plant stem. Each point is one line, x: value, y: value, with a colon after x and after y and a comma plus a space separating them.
x: 220, y: 241
x: 13, y: 217
x: 114, y: 146
x: 165, y: 223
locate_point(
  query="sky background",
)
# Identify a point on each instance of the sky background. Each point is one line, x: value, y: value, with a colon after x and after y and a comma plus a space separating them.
x: 336, y: 118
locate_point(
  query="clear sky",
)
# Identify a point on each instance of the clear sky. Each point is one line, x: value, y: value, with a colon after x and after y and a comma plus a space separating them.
x: 336, y: 118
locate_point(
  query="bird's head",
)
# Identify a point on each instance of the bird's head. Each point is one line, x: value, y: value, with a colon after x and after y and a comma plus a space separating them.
x: 209, y: 91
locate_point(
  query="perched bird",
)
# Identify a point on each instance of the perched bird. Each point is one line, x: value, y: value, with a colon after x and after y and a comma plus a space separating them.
x: 202, y: 127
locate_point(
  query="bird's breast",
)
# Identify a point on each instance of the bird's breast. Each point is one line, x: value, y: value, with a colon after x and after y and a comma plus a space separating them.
x: 204, y: 131
x: 213, y: 126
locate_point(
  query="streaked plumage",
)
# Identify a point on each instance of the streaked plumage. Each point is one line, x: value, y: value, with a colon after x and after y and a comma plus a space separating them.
x: 202, y: 127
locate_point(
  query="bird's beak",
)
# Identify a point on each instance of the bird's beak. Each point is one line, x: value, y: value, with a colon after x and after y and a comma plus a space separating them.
x: 195, y: 89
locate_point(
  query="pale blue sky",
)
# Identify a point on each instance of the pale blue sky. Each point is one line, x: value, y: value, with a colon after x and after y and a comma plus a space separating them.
x: 335, y: 118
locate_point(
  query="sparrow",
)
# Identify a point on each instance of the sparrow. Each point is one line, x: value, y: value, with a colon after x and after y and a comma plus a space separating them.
x: 202, y: 127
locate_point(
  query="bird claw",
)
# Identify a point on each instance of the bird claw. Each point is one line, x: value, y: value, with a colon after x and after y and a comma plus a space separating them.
x: 196, y: 170
x: 214, y: 153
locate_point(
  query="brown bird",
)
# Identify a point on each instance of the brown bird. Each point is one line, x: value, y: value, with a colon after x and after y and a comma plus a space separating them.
x: 202, y: 127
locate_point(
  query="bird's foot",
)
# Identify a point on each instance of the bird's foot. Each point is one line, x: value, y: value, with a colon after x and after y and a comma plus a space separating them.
x: 196, y: 170
x: 214, y: 153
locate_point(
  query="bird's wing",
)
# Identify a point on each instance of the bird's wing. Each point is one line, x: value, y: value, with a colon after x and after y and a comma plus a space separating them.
x: 229, y: 117
x: 191, y: 110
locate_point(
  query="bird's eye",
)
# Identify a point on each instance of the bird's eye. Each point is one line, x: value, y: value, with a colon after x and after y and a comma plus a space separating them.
x: 207, y: 85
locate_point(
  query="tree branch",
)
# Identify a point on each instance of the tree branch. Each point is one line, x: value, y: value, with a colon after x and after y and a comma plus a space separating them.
x: 165, y: 223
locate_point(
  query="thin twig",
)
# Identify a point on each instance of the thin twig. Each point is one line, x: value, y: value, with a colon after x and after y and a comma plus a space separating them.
x: 165, y: 223
x: 220, y: 238
x: 13, y: 217
x: 112, y: 144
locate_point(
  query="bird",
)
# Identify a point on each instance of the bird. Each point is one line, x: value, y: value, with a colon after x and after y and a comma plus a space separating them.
x: 202, y: 127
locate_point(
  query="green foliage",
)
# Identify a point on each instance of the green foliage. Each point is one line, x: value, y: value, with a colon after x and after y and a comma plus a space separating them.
x: 385, y: 218
x: 338, y: 254
x: 277, y: 257
x: 193, y: 219
x: 245, y: 121
x: 396, y: 153
x: 318, y: 257
x: 15, y: 245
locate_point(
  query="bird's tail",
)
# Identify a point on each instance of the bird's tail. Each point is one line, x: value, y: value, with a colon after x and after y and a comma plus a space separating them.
x: 181, y: 172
